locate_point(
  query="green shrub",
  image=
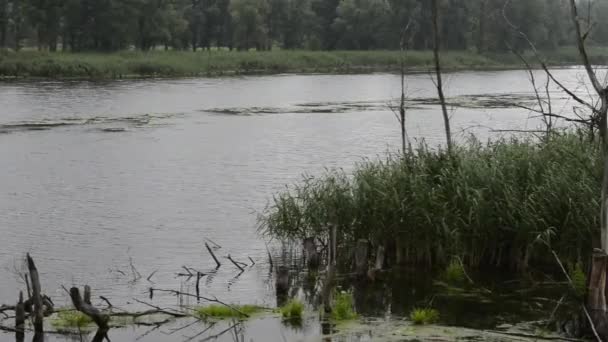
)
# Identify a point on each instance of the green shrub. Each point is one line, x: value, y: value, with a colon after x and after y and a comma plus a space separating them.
x: 454, y: 272
x: 293, y: 310
x: 343, y: 308
x: 424, y: 316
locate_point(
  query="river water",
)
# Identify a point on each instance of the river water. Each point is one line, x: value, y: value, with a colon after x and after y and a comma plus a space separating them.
x: 97, y: 176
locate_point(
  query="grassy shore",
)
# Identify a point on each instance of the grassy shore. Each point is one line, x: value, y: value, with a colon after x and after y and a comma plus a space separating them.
x: 129, y: 64
x: 504, y: 204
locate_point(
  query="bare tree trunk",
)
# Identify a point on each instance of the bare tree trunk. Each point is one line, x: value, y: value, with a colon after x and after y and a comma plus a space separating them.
x: 439, y: 83
x: 596, y: 300
x: 481, y: 39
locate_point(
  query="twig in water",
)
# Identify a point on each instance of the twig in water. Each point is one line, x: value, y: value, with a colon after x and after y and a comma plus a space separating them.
x: 213, y: 255
x: 220, y: 333
x: 212, y: 300
x: 136, y: 274
x: 235, y: 263
x: 107, y: 301
x: 213, y: 242
x: 252, y: 262
x: 187, y: 270
x: 151, y: 275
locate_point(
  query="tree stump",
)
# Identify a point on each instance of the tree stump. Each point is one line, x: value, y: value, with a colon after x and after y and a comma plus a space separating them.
x: 596, y: 299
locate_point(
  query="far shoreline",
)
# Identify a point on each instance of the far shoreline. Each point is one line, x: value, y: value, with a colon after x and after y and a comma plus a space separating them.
x: 40, y: 66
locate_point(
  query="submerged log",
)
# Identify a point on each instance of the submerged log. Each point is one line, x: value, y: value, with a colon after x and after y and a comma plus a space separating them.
x: 310, y: 253
x: 36, y: 296
x: 361, y: 257
x: 95, y: 314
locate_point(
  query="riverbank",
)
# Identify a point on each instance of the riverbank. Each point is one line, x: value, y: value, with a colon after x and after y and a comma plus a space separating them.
x: 130, y: 64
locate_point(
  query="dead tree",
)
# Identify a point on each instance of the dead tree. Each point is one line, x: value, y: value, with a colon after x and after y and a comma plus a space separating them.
x: 95, y: 314
x: 439, y: 81
x: 596, y: 299
x: 38, y: 312
x: 597, y: 285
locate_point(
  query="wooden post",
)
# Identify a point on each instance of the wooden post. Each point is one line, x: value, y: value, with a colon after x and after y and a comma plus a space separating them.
x: 361, y: 257
x: 20, y: 314
x: 87, y: 294
x: 97, y: 316
x: 37, y: 297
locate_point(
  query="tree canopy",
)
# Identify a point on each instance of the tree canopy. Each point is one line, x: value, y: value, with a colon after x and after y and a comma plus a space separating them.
x: 109, y: 25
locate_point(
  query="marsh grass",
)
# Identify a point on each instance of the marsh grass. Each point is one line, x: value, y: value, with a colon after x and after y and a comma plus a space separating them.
x: 424, y: 316
x: 498, y: 204
x: 223, y: 312
x: 126, y: 64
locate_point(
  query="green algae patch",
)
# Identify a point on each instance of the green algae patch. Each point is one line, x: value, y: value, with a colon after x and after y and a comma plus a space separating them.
x: 220, y: 312
x: 72, y: 320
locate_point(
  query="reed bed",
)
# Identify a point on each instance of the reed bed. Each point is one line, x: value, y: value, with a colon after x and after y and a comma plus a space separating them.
x: 506, y: 203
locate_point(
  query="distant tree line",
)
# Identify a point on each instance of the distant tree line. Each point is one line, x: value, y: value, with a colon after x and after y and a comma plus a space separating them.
x: 110, y: 25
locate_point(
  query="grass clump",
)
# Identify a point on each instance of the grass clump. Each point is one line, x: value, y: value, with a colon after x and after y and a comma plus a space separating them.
x: 424, y: 316
x: 454, y: 272
x: 343, y: 308
x: 579, y: 279
x: 67, y: 320
x: 293, y: 310
x: 489, y: 203
x: 223, y: 312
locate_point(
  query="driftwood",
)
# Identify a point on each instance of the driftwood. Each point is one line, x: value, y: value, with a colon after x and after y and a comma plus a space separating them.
x: 95, y: 314
x: 217, y: 262
x: 36, y: 296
